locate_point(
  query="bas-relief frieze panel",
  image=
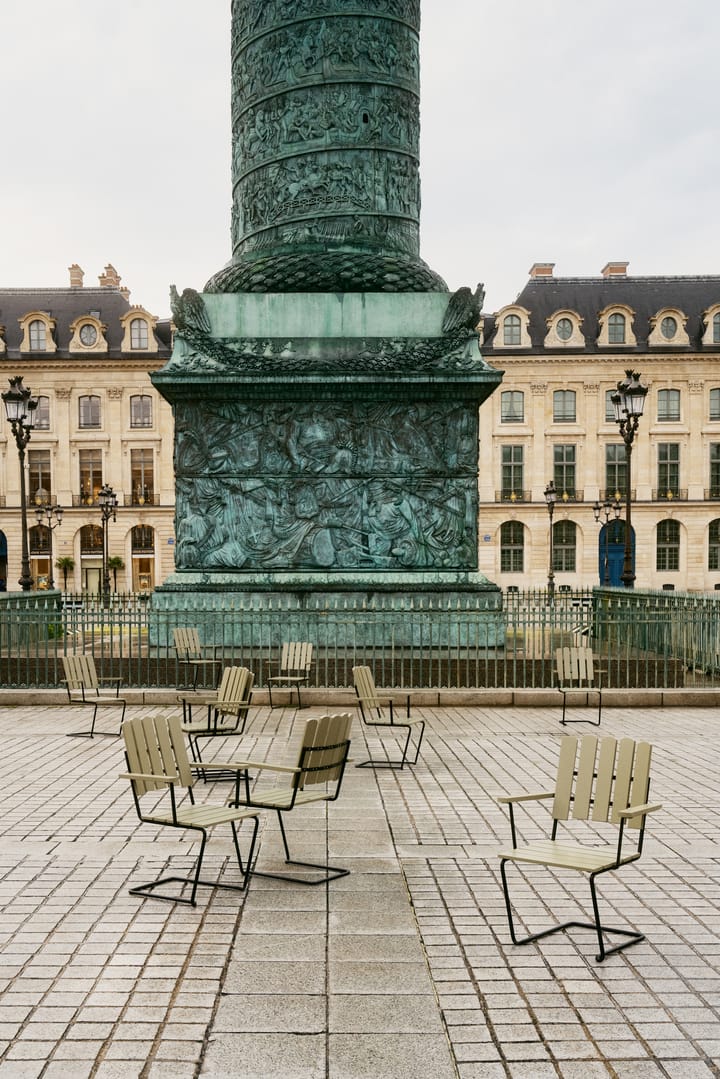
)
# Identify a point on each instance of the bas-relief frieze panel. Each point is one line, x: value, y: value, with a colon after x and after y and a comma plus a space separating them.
x: 251, y: 17
x: 361, y: 486
x: 322, y: 51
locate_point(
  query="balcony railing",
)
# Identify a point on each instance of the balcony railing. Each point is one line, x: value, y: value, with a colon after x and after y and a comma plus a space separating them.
x: 670, y: 494
x: 513, y: 496
x: 146, y: 499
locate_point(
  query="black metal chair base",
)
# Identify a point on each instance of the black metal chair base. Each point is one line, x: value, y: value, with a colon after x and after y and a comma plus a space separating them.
x: 397, y: 765
x: 147, y: 890
x: 592, y: 722
x: 332, y: 872
x: 93, y: 734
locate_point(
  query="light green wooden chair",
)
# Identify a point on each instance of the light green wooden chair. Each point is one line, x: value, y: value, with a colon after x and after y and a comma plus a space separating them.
x: 377, y: 710
x: 191, y: 653
x: 86, y: 689
x: 317, y: 777
x: 575, y: 670
x: 295, y: 663
x: 227, y: 709
x: 601, y: 782
x: 157, y: 760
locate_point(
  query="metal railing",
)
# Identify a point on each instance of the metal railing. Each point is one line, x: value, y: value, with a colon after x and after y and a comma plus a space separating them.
x: 641, y: 639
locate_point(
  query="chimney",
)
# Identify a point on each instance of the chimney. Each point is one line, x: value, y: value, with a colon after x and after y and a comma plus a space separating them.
x: 615, y: 269
x: 111, y: 278
x: 542, y: 269
x: 76, y: 276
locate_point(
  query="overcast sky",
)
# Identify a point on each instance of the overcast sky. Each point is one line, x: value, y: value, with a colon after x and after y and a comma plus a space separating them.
x: 565, y: 131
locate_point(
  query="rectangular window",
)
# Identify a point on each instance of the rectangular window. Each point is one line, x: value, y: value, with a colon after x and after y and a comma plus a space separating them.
x: 142, y: 477
x: 564, y: 406
x: 511, y: 547
x: 715, y: 469
x: 42, y: 414
x: 141, y: 410
x: 512, y: 406
x: 668, y: 546
x: 90, y: 476
x: 609, y: 407
x: 39, y: 478
x: 714, y: 545
x: 564, y: 547
x: 715, y: 404
x: 668, y: 469
x: 564, y: 470
x: 89, y: 411
x: 512, y: 472
x: 668, y: 406
x: 615, y: 470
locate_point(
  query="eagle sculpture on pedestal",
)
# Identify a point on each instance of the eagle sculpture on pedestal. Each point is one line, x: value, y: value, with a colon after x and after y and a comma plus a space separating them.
x: 463, y: 309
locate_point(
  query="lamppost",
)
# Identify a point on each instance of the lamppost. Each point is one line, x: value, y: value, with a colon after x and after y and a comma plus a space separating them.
x: 608, y: 510
x: 107, y: 500
x: 551, y: 496
x: 628, y: 402
x: 20, y: 408
x: 45, y: 515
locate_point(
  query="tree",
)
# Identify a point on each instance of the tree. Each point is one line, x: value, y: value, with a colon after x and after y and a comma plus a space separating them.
x: 67, y: 565
x: 115, y: 563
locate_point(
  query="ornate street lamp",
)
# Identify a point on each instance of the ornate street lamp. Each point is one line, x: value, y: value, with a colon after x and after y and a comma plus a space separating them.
x: 551, y: 497
x: 20, y: 408
x: 628, y: 402
x: 609, y: 510
x: 107, y: 501
x: 45, y: 516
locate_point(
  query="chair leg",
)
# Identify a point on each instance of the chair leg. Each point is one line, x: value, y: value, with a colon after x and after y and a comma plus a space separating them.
x: 596, y: 926
x: 148, y: 890
x: 399, y: 765
x: 330, y: 872
x: 91, y: 732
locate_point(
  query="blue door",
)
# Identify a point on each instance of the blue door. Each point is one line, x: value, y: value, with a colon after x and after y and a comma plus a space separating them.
x: 614, y: 532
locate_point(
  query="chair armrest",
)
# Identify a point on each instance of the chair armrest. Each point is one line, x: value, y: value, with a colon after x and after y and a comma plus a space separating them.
x: 636, y: 811
x: 241, y: 766
x: 170, y: 780
x: 505, y: 799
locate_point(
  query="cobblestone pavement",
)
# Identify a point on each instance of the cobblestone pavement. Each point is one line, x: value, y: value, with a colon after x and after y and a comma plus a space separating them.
x: 404, y: 968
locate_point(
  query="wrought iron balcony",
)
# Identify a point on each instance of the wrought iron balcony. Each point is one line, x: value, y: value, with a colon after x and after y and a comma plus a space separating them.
x: 513, y: 496
x: 670, y: 494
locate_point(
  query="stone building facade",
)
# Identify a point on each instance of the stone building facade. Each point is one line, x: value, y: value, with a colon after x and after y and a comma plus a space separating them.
x: 86, y: 353
x: 563, y: 346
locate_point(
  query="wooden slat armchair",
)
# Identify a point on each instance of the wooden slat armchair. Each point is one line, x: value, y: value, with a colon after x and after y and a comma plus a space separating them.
x: 575, y: 670
x: 157, y: 761
x: 317, y: 777
x: 295, y: 662
x: 227, y: 709
x: 85, y: 688
x: 377, y: 710
x: 190, y: 652
x: 605, y: 783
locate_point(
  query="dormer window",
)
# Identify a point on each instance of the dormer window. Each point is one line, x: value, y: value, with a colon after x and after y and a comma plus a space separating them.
x: 616, y: 329
x: 711, y: 325
x: 615, y: 326
x: 37, y: 335
x: 716, y: 328
x: 564, y: 330
x: 138, y: 333
x: 88, y: 334
x: 37, y: 332
x: 667, y: 327
x: 512, y: 328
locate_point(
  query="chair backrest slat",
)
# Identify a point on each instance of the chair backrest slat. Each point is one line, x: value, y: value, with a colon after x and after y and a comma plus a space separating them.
x: 565, y: 777
x: 641, y: 780
x: 585, y: 777
x: 623, y: 777
x: 604, y: 781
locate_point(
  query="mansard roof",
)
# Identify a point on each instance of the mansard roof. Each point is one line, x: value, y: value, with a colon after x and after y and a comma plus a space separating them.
x: 65, y: 305
x: 588, y: 296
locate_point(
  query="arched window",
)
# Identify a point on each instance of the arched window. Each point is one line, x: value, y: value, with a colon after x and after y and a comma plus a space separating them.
x: 564, y: 406
x: 91, y: 540
x: 512, y: 406
x: 668, y: 406
x: 37, y: 335
x: 511, y: 330
x: 512, y: 547
x: 668, y: 546
x: 616, y: 329
x: 714, y: 545
x: 89, y: 410
x: 143, y: 539
x: 564, y: 546
x: 138, y: 333
x: 141, y: 410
